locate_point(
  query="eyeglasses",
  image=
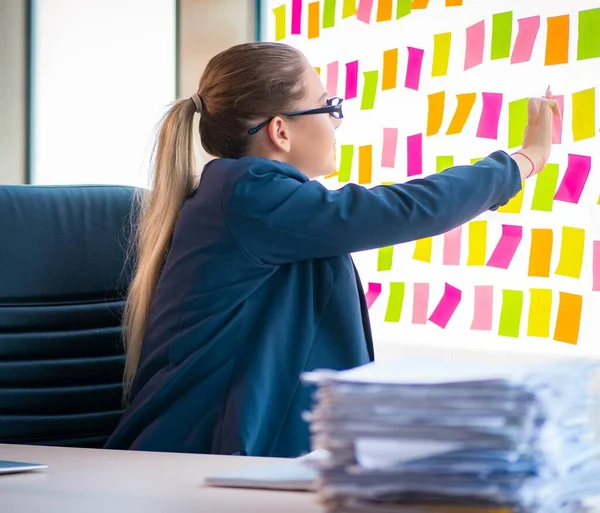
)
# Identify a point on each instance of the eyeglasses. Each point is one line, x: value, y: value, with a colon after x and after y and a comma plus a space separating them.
x: 333, y: 108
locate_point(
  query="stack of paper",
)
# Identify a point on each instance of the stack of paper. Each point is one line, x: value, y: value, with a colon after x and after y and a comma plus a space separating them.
x: 424, y: 436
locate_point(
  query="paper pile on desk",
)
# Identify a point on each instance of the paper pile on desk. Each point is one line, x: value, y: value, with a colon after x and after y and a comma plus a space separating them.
x: 423, y: 436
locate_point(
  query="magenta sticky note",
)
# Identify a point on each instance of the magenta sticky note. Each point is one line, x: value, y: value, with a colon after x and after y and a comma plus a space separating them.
x: 373, y: 292
x: 332, y: 78
x: 414, y: 155
x: 528, y: 30
x: 351, y: 80
x: 475, y: 45
x: 596, y: 266
x: 447, y: 306
x: 557, y: 123
x: 413, y: 68
x: 296, y: 16
x: 390, y: 142
x: 576, y: 175
x: 507, y: 246
x: 490, y: 116
x: 452, y: 243
x: 420, y: 303
x: 363, y: 11
x: 483, y: 308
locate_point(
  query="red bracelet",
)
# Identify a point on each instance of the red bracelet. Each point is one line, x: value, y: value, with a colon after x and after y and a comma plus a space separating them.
x: 530, y: 161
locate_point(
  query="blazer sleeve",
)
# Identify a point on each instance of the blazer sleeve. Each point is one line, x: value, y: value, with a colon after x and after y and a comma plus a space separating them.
x: 277, y: 219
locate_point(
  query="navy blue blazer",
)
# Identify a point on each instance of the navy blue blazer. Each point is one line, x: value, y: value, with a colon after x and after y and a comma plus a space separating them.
x: 259, y: 286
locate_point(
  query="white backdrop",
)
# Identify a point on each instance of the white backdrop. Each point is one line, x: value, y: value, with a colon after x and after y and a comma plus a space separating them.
x: 407, y: 313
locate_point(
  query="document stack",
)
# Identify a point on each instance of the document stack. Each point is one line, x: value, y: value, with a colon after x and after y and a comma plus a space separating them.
x: 419, y: 436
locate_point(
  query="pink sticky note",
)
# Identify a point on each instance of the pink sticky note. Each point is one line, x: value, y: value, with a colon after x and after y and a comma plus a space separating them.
x: 447, y: 306
x: 507, y: 246
x: 576, y: 175
x: 390, y: 141
x: 363, y: 11
x: 332, y: 78
x: 528, y: 30
x: 596, y: 266
x: 414, y: 155
x: 420, y: 303
x: 351, y: 79
x: 557, y: 123
x: 490, y: 116
x: 475, y: 45
x: 484, y: 302
x: 413, y: 68
x: 296, y: 16
x: 373, y: 293
x: 452, y: 240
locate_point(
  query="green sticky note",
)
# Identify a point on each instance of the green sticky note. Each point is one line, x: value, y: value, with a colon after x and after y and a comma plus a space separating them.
x: 517, y: 121
x: 588, y: 40
x: 329, y: 13
x: 394, y: 307
x: 369, y: 90
x: 403, y: 8
x: 443, y: 162
x: 475, y: 160
x: 501, y: 35
x: 384, y: 258
x: 545, y: 188
x: 510, y: 315
x: 346, y: 157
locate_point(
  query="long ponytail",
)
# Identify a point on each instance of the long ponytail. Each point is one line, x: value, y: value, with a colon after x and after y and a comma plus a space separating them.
x: 174, y: 178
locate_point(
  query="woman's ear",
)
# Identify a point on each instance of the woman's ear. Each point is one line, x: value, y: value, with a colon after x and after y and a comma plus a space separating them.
x: 279, y: 133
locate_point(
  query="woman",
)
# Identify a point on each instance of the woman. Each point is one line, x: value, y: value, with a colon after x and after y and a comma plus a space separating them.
x: 245, y: 280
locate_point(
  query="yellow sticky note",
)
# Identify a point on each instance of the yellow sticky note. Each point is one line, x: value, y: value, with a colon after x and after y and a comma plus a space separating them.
x: 280, y: 14
x: 571, y: 252
x: 515, y: 204
x: 423, y: 249
x: 540, y: 307
x: 477, y: 242
x: 348, y: 8
x: 441, y: 54
x: 584, y: 114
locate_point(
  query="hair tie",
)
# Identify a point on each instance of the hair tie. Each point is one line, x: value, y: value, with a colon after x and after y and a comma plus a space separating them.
x: 197, y: 102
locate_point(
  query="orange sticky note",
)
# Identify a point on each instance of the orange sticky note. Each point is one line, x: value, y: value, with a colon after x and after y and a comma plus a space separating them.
x: 365, y: 164
x: 390, y: 69
x: 454, y: 3
x: 419, y: 4
x: 461, y: 114
x: 314, y: 23
x: 568, y: 318
x: 435, y: 114
x: 384, y: 10
x: 557, y: 40
x: 540, y: 253
x: 318, y: 70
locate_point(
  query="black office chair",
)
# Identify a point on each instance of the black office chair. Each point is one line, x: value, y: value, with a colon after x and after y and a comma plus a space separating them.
x: 63, y: 277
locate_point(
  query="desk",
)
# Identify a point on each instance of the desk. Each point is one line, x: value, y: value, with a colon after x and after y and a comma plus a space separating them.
x: 99, y: 481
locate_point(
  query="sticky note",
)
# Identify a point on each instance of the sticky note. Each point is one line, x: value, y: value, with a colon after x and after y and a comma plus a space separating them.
x: 588, y: 39
x: 501, y: 35
x: 384, y: 258
x: 461, y: 114
x: 329, y: 13
x: 414, y: 155
x: 369, y: 90
x: 568, y: 318
x: 557, y: 122
x: 403, y: 8
x: 420, y: 303
x: 394, y: 307
x: 332, y: 78
x: 475, y: 45
x: 351, y: 80
x: 363, y: 11
x: 365, y: 164
x: 413, y: 68
x: 390, y: 142
x: 483, y: 308
x: 540, y: 308
x: 596, y: 267
x: 445, y: 309
x: 441, y: 54
x: 280, y: 22
x: 510, y: 314
x: 435, y: 113
x: 515, y: 204
x: 348, y: 8
x: 540, y: 253
x: 314, y: 22
x: 477, y: 242
x: 584, y: 114
x: 545, y: 188
x: 475, y: 160
x: 384, y: 10
x: 557, y: 40
x: 517, y: 121
x: 390, y: 69
x: 528, y: 31
x: 576, y: 175
x: 452, y: 246
x: 490, y: 116
x: 507, y: 246
x: 419, y: 4
x: 423, y: 249
x: 443, y: 162
x: 373, y: 292
x: 571, y: 252
x: 454, y: 3
x: 346, y: 157
x: 296, y: 16
x: 318, y: 70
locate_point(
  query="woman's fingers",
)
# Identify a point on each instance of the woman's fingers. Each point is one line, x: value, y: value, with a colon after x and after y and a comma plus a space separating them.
x: 553, y: 106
